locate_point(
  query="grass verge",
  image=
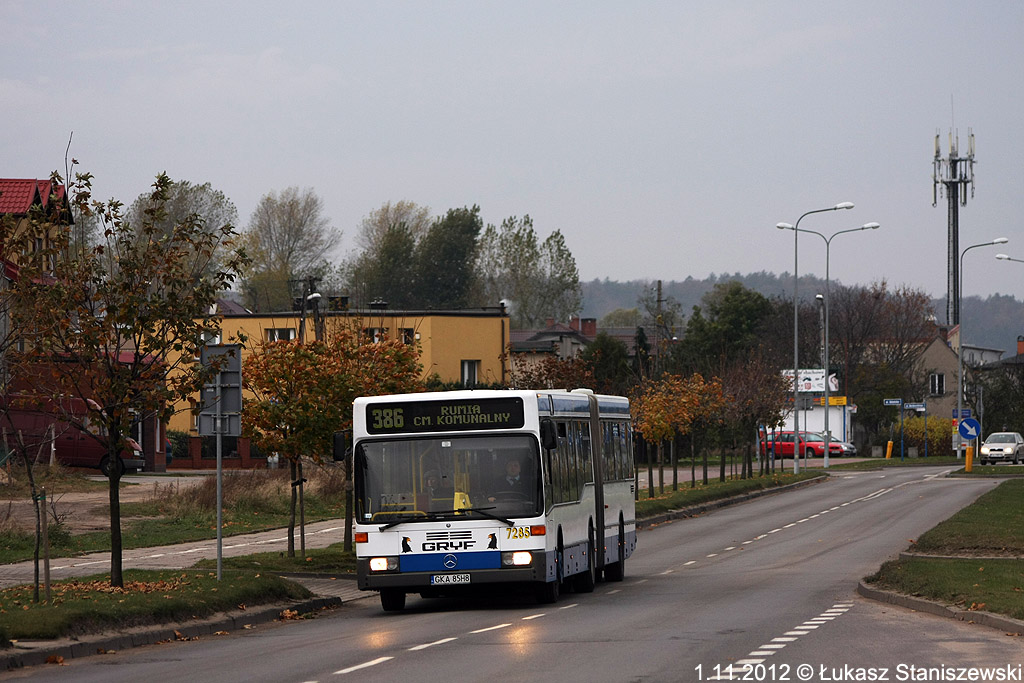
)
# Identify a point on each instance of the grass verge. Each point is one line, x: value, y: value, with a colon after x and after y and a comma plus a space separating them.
x: 714, y: 490
x: 990, y: 585
x: 992, y: 526
x: 88, y: 605
x: 330, y: 560
x: 876, y: 463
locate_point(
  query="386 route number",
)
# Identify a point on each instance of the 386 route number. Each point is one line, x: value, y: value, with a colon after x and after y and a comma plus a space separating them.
x: 387, y: 418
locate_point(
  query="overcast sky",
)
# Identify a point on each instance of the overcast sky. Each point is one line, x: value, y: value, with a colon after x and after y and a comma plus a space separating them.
x: 664, y: 139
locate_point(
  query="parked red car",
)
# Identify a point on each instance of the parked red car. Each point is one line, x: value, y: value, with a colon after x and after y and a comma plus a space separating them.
x: 812, y: 444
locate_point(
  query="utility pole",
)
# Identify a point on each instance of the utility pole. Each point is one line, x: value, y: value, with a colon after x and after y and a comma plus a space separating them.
x: 953, y: 174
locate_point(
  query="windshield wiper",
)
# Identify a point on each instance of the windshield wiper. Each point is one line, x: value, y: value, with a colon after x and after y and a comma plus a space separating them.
x: 439, y: 514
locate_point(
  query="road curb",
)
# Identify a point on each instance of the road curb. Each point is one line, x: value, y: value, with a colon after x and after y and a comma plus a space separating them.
x: 32, y: 653
x: 906, y: 555
x: 997, y: 621
x: 694, y: 510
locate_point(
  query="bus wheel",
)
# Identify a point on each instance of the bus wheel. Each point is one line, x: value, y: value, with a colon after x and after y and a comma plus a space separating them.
x: 617, y: 570
x: 548, y: 591
x: 585, y: 582
x: 392, y: 599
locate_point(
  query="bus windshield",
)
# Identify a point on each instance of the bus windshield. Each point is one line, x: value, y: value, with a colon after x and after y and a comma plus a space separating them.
x: 424, y: 479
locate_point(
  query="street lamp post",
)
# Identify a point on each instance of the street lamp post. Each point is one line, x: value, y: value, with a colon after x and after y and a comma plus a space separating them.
x: 960, y: 336
x: 796, y: 326
x: 828, y: 308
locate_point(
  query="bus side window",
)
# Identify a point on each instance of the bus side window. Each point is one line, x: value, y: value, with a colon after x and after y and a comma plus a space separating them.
x: 608, y: 451
x: 586, y: 461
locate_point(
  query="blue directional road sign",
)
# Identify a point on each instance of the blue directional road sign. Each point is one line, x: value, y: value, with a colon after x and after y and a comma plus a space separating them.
x: 913, y: 406
x: 892, y: 401
x: 970, y: 428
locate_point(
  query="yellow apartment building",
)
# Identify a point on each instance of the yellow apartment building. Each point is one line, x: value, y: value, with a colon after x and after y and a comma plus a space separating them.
x: 468, y: 346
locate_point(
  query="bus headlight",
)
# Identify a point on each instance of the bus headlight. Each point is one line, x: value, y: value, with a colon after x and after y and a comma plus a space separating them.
x: 383, y: 564
x: 518, y: 558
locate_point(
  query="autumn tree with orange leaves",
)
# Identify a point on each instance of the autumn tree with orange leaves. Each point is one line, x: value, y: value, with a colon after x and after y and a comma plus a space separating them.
x: 111, y: 330
x: 303, y: 393
x: 673, y: 406
x: 551, y: 373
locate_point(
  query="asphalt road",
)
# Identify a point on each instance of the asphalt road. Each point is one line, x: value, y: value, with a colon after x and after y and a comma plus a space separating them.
x: 770, y: 583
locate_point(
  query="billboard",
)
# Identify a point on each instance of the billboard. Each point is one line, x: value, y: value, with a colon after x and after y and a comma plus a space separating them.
x: 813, y: 380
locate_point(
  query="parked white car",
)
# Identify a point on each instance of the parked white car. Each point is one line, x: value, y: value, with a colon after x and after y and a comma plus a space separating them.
x: 1002, y: 446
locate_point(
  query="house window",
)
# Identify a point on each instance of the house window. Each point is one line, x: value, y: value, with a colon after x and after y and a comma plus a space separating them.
x: 470, y: 370
x: 407, y: 334
x: 374, y: 335
x: 280, y: 334
x: 937, y: 384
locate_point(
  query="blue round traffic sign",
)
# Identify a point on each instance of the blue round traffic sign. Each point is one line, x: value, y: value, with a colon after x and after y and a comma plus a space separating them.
x: 969, y: 428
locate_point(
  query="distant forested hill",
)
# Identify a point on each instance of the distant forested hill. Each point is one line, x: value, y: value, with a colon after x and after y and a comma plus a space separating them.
x: 994, y: 322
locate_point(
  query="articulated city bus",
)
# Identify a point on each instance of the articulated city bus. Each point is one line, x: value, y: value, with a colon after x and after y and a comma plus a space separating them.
x: 466, y: 489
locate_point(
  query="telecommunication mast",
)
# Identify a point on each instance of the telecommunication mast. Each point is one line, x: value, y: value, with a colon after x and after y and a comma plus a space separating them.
x: 953, y: 174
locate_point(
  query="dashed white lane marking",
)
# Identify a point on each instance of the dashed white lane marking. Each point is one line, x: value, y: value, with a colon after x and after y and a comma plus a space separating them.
x: 613, y: 591
x: 357, y: 667
x: 575, y: 604
x: 534, y: 616
x: 740, y: 668
x: 687, y: 564
x: 424, y: 646
x: 490, y: 628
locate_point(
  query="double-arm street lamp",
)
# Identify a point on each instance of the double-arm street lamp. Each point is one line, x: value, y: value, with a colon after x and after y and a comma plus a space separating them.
x: 828, y: 308
x: 796, y: 326
x: 960, y: 335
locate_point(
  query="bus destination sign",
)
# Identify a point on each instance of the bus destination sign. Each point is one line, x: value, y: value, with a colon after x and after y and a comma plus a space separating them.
x: 444, y: 416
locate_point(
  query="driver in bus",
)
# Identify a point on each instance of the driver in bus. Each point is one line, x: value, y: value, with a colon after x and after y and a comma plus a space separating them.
x: 511, y: 482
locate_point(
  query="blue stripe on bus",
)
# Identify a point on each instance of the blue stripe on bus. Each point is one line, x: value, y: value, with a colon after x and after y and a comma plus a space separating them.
x: 434, y: 562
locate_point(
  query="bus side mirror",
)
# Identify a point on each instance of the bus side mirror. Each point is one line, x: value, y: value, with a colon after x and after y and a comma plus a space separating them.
x: 548, y: 434
x: 340, y: 446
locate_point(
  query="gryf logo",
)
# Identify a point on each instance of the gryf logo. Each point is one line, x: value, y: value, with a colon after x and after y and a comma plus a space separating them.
x: 433, y: 546
x: 406, y: 548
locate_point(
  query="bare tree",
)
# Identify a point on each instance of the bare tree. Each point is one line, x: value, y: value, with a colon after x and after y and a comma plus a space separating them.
x: 183, y: 202
x: 288, y: 238
x: 374, y: 227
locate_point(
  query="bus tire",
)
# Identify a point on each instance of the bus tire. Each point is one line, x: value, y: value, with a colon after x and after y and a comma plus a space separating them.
x: 617, y: 570
x: 548, y: 591
x: 585, y: 582
x: 392, y: 599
